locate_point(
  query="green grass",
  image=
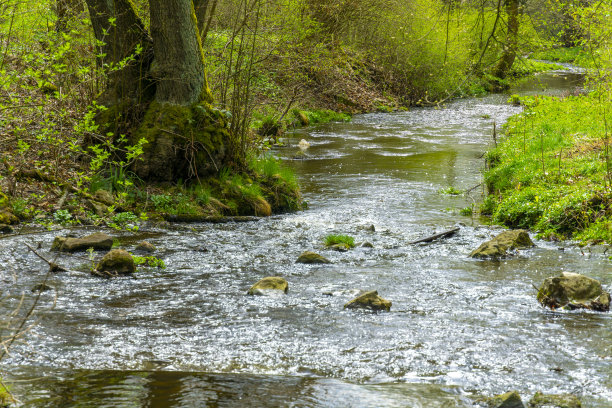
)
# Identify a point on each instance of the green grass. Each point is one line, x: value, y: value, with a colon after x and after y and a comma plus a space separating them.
x: 551, y: 173
x: 575, y: 55
x: 340, y: 239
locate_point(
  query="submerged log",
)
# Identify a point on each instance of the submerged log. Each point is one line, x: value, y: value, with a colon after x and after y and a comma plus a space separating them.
x: 445, y: 234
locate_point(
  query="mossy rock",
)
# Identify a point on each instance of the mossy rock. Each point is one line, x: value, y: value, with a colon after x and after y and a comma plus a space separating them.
x: 98, y: 208
x: 510, y: 399
x: 182, y: 142
x: 541, y: 400
x: 309, y: 257
x: 98, y: 240
x: 268, y: 286
x: 340, y: 247
x: 573, y: 291
x: 145, y: 247
x: 104, y: 197
x: 6, y: 213
x: 118, y: 262
x: 500, y: 245
x: 369, y: 300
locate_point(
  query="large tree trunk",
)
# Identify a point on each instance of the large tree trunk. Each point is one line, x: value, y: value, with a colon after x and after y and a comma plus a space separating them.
x: 510, y: 47
x: 122, y: 38
x: 179, y: 58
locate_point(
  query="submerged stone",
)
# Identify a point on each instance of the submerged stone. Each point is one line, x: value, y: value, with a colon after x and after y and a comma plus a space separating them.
x: 540, y: 400
x: 340, y: 247
x: 369, y: 300
x: 309, y: 257
x: 269, y: 285
x: 573, y: 291
x: 145, y: 246
x: 499, y: 246
x: 511, y: 399
x: 98, y: 240
x: 117, y: 262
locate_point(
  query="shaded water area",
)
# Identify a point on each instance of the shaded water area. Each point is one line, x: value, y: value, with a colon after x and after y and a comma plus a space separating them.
x: 189, y: 336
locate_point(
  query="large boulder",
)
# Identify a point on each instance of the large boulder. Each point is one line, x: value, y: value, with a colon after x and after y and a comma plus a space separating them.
x: 309, y: 257
x: 573, y: 291
x: 269, y: 286
x: 499, y: 246
x: 369, y: 300
x: 511, y: 399
x: 117, y: 262
x: 540, y: 400
x: 98, y: 240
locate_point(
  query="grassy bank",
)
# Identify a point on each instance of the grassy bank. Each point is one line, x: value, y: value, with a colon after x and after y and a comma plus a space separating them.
x: 553, y: 171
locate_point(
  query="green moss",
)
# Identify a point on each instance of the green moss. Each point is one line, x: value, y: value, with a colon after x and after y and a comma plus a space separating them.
x: 333, y: 239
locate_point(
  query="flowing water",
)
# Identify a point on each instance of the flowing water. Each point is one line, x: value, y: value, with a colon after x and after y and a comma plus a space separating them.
x: 189, y: 336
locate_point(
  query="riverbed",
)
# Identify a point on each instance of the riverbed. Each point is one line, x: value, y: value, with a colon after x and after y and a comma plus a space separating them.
x: 459, y: 328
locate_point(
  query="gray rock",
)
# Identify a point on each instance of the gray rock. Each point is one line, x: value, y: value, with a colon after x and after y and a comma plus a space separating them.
x: 369, y: 300
x: 269, y: 286
x: 309, y: 257
x: 98, y: 240
x: 500, y: 246
x: 117, y: 262
x: 573, y: 291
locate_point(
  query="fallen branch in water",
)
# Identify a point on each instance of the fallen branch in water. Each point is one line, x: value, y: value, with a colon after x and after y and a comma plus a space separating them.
x: 53, y: 267
x: 445, y: 234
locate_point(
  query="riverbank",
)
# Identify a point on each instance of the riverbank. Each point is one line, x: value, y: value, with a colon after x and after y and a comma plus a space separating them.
x: 552, y: 172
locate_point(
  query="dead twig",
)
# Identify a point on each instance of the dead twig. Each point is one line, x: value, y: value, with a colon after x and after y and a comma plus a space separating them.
x: 53, y: 267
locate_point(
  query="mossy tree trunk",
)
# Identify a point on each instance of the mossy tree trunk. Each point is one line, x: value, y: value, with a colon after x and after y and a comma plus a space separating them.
x: 164, y: 84
x: 510, y: 47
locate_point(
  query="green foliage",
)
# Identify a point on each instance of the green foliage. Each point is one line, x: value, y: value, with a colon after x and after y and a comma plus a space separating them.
x: 149, y: 261
x: 124, y: 220
x: 63, y: 217
x: 340, y: 239
x: 450, y: 191
x: 577, y: 55
x: 466, y: 211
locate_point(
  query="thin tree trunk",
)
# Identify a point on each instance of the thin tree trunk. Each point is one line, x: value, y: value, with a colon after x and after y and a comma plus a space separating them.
x: 66, y: 10
x: 179, y: 58
x: 510, y: 48
x: 201, y: 8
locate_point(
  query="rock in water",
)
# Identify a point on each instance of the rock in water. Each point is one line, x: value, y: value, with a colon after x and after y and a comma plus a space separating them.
x: 117, y: 262
x: 309, y: 257
x: 573, y: 291
x: 98, y: 240
x: 369, y: 300
x: 540, y: 400
x: 145, y: 246
x: 511, y: 399
x: 499, y: 246
x: 303, y: 145
x: 269, y: 285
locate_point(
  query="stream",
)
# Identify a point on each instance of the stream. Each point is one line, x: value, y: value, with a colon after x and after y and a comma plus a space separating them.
x: 188, y: 336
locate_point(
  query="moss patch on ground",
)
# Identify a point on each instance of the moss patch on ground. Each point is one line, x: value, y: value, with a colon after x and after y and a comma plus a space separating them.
x: 553, y: 171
